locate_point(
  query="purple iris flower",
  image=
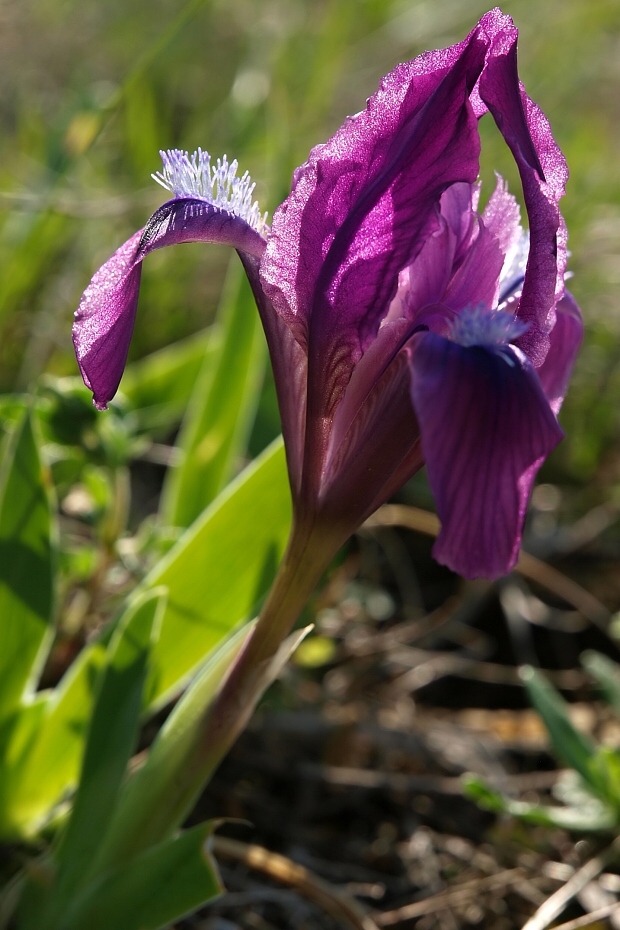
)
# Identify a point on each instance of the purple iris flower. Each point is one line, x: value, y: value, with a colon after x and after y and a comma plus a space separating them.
x: 405, y: 326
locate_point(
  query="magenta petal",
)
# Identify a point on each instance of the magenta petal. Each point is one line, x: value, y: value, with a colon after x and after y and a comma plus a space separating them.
x: 428, y: 275
x: 543, y: 174
x: 290, y: 370
x: 362, y: 205
x: 475, y: 282
x: 104, y: 321
x: 566, y: 336
x: 105, y: 317
x: 486, y: 427
x: 502, y: 216
x: 347, y: 422
x: 189, y: 219
x: 379, y: 453
x: 458, y: 206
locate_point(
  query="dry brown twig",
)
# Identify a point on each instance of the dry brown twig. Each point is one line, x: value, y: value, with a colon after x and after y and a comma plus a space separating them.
x: 555, y: 904
x: 397, y: 781
x: 337, y: 903
x: 451, y: 897
x: 588, y: 920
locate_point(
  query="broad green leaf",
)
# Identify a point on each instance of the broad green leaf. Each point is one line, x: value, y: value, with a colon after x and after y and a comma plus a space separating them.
x: 575, y: 749
x: 26, y: 569
x: 606, y: 673
x: 219, y: 570
x: 159, y: 797
x: 159, y: 386
x: 159, y: 886
x: 52, y: 744
x: 18, y: 735
x: 215, y: 576
x: 143, y: 805
x: 216, y: 427
x: 111, y: 740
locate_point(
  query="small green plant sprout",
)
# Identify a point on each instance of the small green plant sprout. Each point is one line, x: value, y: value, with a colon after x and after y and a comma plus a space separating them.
x: 588, y: 792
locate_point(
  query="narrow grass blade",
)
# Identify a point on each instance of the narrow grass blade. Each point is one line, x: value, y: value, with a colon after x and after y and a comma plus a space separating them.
x: 592, y: 816
x: 606, y: 673
x: 221, y: 411
x: 573, y: 748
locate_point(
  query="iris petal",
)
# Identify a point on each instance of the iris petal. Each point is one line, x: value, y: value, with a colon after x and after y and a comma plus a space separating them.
x: 378, y: 454
x: 290, y: 371
x: 486, y: 427
x: 543, y: 174
x: 566, y: 337
x: 104, y: 321
x: 105, y: 317
x: 363, y: 204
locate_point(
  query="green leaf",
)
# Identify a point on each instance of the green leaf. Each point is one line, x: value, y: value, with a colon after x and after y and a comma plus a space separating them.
x: 606, y: 769
x: 26, y: 569
x: 111, y: 741
x: 221, y: 411
x: 159, y: 386
x: 159, y: 886
x: 219, y: 570
x: 575, y: 749
x: 606, y: 673
x: 159, y: 797
x: 592, y: 815
x: 141, y: 816
x: 48, y: 737
x: 215, y: 575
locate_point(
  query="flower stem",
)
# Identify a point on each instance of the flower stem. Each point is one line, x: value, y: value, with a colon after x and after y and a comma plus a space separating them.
x: 309, y: 552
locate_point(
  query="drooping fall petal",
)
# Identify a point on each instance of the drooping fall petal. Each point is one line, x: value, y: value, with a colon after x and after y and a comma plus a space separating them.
x: 486, y: 426
x: 105, y: 317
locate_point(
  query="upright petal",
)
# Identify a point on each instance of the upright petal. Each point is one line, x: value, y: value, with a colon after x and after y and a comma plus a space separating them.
x: 427, y: 277
x: 362, y: 205
x: 543, y: 174
x: 458, y: 205
x: 475, y: 282
x: 486, y: 427
x: 105, y: 317
x: 460, y: 262
x: 502, y: 217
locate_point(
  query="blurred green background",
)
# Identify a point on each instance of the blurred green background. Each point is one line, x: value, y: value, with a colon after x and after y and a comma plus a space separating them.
x: 91, y: 91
